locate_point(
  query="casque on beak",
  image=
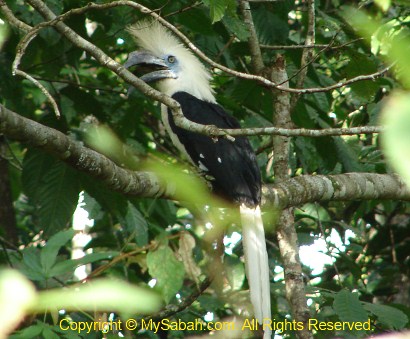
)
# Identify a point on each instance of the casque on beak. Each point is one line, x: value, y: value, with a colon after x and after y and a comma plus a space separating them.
x: 155, y: 67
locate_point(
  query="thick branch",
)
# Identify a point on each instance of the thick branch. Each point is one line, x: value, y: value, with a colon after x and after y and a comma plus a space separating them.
x: 291, y: 192
x: 293, y: 132
x: 286, y: 232
x: 341, y: 187
x: 78, y: 156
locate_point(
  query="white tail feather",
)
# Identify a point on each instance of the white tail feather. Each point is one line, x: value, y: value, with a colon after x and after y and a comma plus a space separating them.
x: 256, y: 264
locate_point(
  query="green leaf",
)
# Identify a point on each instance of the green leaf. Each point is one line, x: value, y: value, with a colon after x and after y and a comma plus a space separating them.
x: 360, y: 64
x: 58, y: 197
x: 209, y: 303
x: 348, y: 307
x: 100, y: 295
x: 71, y: 264
x: 29, y: 332
x: 390, y: 316
x: 390, y: 38
x: 345, y: 152
x: 270, y: 28
x: 49, y: 333
x: 136, y: 225
x: 92, y: 207
x: 35, y: 165
x: 236, y: 26
x: 31, y: 264
x: 67, y: 108
x: 49, y: 252
x: 348, y: 157
x: 307, y: 153
x: 167, y: 270
x: 217, y: 8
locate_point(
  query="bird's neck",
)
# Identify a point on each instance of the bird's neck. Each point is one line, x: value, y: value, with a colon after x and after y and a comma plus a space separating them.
x: 199, y: 89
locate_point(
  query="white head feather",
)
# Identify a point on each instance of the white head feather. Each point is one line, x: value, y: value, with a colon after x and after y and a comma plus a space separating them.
x: 193, y: 77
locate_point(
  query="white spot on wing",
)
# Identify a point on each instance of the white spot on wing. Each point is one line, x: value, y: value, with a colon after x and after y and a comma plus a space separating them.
x: 219, y: 160
x: 201, y: 156
x: 202, y: 167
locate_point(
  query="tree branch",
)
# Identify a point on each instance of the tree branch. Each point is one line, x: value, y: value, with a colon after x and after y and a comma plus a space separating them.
x: 291, y: 192
x: 171, y: 310
x: 286, y: 232
x: 41, y: 87
x: 78, y: 156
x: 11, y: 19
x: 327, y: 46
x: 253, y: 41
x: 340, y: 187
x: 108, y: 62
x: 130, y: 78
x: 124, y: 75
x: 307, y: 52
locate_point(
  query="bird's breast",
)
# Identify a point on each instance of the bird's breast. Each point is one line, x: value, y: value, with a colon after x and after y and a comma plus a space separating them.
x: 174, y: 138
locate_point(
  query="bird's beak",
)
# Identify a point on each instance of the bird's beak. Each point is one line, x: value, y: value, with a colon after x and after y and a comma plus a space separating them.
x: 156, y: 67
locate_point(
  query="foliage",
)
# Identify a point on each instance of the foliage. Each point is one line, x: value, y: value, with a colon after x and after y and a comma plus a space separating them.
x: 141, y: 239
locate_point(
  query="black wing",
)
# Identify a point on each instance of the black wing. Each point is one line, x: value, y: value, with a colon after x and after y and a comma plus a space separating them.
x: 232, y: 164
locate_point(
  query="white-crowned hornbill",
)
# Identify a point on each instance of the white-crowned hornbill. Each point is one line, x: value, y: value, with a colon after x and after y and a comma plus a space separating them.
x: 231, y: 164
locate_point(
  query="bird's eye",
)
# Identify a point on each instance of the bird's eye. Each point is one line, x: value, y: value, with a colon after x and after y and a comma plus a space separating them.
x: 171, y: 59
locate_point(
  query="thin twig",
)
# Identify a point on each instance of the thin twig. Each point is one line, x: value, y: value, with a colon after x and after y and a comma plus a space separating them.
x: 182, y: 10
x: 41, y: 87
x: 253, y: 41
x: 171, y: 310
x: 329, y: 252
x: 225, y: 47
x: 179, y: 118
x: 307, y: 52
x: 22, y: 45
x: 328, y: 46
x: 76, y: 84
x: 257, y: 78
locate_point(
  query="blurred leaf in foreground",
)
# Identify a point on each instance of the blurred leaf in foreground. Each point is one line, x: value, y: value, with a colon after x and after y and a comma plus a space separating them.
x: 103, y: 295
x: 396, y: 139
x: 17, y: 295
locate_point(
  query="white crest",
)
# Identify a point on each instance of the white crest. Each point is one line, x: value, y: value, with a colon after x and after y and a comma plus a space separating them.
x: 193, y: 77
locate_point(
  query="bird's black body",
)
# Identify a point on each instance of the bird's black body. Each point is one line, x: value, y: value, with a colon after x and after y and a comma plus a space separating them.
x: 231, y: 164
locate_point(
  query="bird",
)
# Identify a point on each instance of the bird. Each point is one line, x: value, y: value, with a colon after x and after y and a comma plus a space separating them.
x: 229, y: 164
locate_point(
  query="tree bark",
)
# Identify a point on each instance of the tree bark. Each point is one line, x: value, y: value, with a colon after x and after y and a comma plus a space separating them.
x: 286, y: 233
